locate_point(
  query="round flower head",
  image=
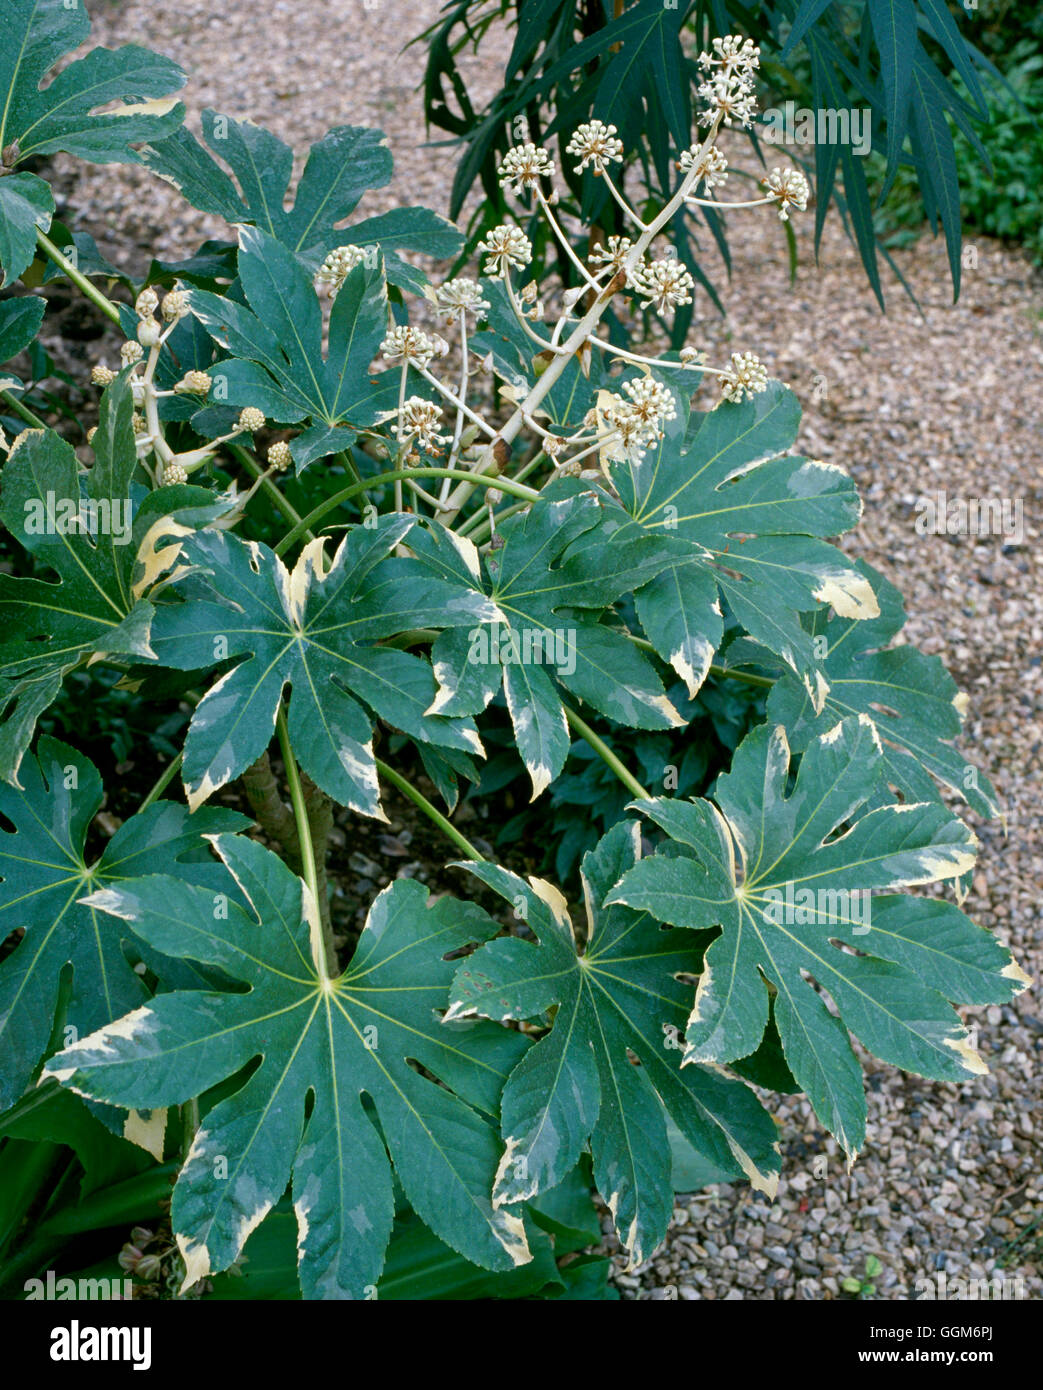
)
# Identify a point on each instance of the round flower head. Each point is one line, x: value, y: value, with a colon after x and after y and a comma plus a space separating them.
x: 174, y: 473
x: 596, y: 144
x: 279, y: 456
x: 250, y: 419
x: 420, y: 421
x: 412, y: 344
x: 666, y: 283
x: 102, y: 375
x: 504, y: 247
x: 745, y: 375
x: 336, y: 268
x: 729, y: 76
x: 524, y: 165
x: 131, y: 352
x: 458, y: 296
x: 146, y: 304
x: 175, y: 305
x: 711, y: 166
x: 789, y: 188
x: 193, y: 384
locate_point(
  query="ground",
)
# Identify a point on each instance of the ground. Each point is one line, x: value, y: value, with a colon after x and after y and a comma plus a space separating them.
x: 950, y: 1179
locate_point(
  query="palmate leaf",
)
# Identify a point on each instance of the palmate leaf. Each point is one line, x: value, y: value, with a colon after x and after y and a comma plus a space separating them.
x: 618, y: 995
x: 314, y: 628
x: 339, y: 1039
x: 782, y: 876
x: 910, y: 697
x: 45, y: 877
x: 550, y: 606
x: 735, y: 513
x: 278, y: 362
x: 94, y: 608
x: 38, y: 33
x: 340, y: 168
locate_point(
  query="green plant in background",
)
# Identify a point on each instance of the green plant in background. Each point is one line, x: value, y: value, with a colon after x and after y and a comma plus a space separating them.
x: 906, y: 64
x: 428, y: 1108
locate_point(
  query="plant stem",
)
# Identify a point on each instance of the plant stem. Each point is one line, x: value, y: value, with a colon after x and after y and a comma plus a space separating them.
x: 604, y: 752
x: 300, y: 814
x: 22, y: 411
x: 79, y: 280
x: 162, y: 782
x: 345, y: 494
x: 432, y: 812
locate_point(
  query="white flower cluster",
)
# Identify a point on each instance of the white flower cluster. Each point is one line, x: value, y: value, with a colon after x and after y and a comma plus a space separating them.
x: 710, y: 165
x: 596, y: 144
x: 504, y: 247
x: 728, y: 86
x: 614, y: 254
x: 524, y: 165
x: 639, y: 420
x: 665, y: 283
x: 419, y: 421
x: 413, y: 344
x: 455, y: 297
x: 745, y: 375
x: 335, y: 269
x: 789, y: 188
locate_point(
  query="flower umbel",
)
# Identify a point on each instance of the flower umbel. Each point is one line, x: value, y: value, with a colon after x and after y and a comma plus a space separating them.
x: 336, y: 268
x: 458, y: 296
x: 711, y: 166
x: 419, y: 421
x: 745, y: 375
x: 789, y: 188
x: 595, y: 144
x: 524, y: 165
x: 665, y: 283
x: 504, y: 247
x: 412, y: 344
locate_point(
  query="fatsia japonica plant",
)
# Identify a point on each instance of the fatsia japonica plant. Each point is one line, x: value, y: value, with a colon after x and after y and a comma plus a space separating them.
x: 497, y: 509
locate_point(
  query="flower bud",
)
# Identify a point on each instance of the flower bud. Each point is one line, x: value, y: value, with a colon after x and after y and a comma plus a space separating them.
x: 279, y: 456
x: 251, y: 419
x: 131, y: 352
x: 194, y: 384
x: 148, y: 333
x: 175, y: 305
x: 102, y: 375
x: 146, y: 304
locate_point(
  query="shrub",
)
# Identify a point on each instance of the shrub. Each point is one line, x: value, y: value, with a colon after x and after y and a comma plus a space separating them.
x: 456, y: 1076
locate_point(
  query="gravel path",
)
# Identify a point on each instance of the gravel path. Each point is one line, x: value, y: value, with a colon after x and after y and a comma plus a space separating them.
x: 950, y: 1181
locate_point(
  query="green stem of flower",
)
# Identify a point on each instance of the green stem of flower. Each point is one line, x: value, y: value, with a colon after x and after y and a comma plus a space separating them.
x: 345, y: 494
x: 604, y: 752
x: 432, y: 812
x: 78, y: 279
x: 22, y: 411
